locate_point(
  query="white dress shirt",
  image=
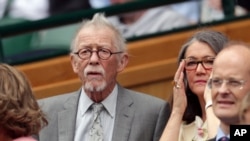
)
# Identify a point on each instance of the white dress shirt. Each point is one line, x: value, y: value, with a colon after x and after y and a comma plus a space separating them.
x: 84, y: 116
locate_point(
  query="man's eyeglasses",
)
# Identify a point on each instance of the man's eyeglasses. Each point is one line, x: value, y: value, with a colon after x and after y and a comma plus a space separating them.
x: 191, y: 64
x: 231, y: 83
x: 102, y: 53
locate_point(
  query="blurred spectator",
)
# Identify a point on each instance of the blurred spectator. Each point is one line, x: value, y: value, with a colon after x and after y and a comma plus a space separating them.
x: 218, y: 9
x: 156, y: 19
x: 245, y: 110
x: 29, y: 9
x: 211, y: 10
x: 244, y: 4
x: 190, y: 10
x: 3, y: 4
x: 99, y: 3
x: 39, y: 9
x: 62, y: 6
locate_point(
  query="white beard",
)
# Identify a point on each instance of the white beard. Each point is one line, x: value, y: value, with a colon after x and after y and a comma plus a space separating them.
x: 90, y: 87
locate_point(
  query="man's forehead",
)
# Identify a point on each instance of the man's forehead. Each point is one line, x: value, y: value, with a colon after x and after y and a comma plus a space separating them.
x: 96, y: 33
x: 235, y: 49
x: 232, y: 55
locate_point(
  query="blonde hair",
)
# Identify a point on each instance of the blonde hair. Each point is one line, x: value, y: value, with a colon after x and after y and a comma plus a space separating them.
x: 245, y: 105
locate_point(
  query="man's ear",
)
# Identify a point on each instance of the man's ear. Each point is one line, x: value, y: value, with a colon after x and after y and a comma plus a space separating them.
x: 74, y: 64
x: 122, y: 62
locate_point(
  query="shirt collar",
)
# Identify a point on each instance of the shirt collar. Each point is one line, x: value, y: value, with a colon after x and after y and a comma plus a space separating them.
x: 220, y: 134
x: 84, y: 102
x: 110, y: 102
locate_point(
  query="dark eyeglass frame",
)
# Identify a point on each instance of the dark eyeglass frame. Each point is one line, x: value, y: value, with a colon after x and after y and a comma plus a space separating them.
x: 199, y: 62
x: 98, y: 51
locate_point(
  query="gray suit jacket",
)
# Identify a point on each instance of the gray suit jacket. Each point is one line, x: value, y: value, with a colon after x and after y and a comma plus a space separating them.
x: 139, y: 117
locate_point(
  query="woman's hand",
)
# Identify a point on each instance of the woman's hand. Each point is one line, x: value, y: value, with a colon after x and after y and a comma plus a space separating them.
x: 173, y: 127
x: 179, y: 95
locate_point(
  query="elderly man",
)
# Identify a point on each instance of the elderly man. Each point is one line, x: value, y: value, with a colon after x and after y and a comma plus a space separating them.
x: 98, y: 54
x: 230, y: 82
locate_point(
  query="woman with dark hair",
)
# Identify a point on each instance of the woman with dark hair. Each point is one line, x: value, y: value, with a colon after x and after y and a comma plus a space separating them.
x: 191, y: 118
x: 20, y: 115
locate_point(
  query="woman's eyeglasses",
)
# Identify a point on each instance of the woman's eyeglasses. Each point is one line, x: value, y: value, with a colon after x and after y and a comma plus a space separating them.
x: 191, y: 64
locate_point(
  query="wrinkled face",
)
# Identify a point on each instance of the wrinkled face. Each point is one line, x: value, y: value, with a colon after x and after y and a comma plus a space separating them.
x: 232, y: 82
x: 197, y: 78
x: 97, y: 74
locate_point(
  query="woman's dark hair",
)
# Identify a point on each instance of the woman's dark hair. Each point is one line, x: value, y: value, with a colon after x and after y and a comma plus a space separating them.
x: 216, y: 40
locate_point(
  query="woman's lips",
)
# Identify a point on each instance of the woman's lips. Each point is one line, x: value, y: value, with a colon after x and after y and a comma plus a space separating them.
x: 200, y: 82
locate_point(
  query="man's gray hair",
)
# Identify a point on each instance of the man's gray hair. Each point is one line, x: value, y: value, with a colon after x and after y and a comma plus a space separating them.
x: 99, y: 20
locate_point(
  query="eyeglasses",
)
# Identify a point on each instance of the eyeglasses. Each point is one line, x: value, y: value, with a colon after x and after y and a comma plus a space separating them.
x: 231, y: 83
x: 191, y: 64
x: 102, y: 53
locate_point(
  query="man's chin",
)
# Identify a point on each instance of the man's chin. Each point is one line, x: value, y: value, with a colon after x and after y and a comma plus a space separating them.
x: 226, y: 114
x: 95, y: 87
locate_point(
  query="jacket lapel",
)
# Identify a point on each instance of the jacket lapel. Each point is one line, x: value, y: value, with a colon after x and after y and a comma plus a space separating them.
x: 124, y: 116
x: 67, y: 119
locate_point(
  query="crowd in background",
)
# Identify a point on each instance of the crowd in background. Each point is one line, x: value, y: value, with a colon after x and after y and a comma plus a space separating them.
x: 131, y: 24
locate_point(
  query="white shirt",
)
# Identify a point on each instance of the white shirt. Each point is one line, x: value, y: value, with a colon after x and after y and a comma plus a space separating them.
x: 221, y: 134
x: 99, y: 3
x: 84, y: 116
x: 29, y: 9
x: 153, y: 20
x: 3, y: 4
x: 189, y: 9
